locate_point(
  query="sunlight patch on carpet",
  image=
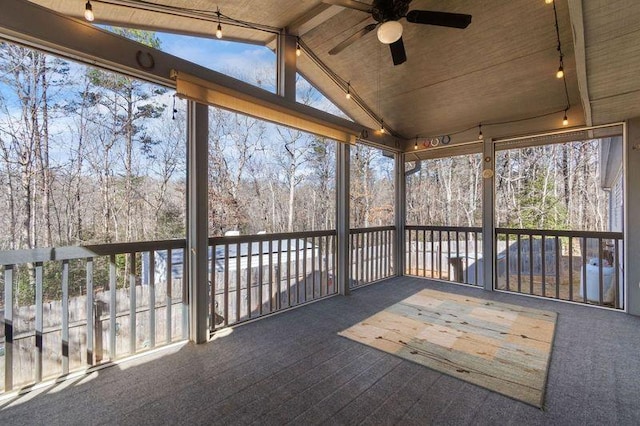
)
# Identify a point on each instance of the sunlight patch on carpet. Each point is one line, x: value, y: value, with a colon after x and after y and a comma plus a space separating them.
x: 502, y: 347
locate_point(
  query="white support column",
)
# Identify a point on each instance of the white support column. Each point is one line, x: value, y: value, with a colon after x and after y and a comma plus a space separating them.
x: 197, y: 229
x: 400, y: 214
x: 286, y: 66
x: 632, y: 216
x: 488, y: 214
x: 343, y: 263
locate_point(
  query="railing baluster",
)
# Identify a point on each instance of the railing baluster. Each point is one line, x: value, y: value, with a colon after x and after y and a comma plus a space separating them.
x: 169, y: 296
x: 378, y: 271
x: 320, y: 256
x: 334, y: 257
x: 327, y: 246
x: 212, y: 286
x: 297, y: 268
x: 238, y: 280
x: 544, y: 266
x: 600, y: 273
x: 304, y: 269
x: 152, y: 298
x: 226, y: 284
x: 507, y: 238
x: 90, y: 313
x: 112, y: 306
x: 65, y: 317
x: 570, y: 268
x: 530, y: 263
x: 557, y: 268
x: 313, y: 266
x: 440, y: 253
x: 584, y: 269
x: 8, y: 328
x: 260, y: 276
x: 271, y: 276
x: 185, y: 297
x: 616, y: 272
x: 249, y: 286
x: 466, y: 257
x: 132, y: 303
x: 424, y: 251
x: 433, y: 259
x: 475, y: 256
x: 289, y: 272
x: 519, y: 259
x: 449, y: 255
x: 39, y: 322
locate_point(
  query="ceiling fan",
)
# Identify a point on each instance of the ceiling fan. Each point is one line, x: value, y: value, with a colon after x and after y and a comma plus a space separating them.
x: 387, y: 14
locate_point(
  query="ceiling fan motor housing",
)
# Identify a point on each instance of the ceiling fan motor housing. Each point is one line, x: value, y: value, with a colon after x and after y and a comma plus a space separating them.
x: 389, y: 10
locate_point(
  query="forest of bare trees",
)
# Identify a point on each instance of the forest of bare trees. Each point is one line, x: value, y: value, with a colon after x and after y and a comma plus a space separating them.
x: 90, y: 156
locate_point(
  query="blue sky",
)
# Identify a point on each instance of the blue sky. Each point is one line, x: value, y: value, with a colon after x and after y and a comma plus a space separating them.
x: 218, y: 55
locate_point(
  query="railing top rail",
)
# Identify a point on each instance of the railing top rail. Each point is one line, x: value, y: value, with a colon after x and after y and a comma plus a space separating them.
x: 372, y: 229
x: 46, y: 254
x: 234, y: 239
x: 444, y: 228
x: 561, y: 233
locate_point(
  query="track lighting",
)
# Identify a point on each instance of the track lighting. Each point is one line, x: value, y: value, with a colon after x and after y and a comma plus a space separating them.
x: 565, y: 119
x: 480, y: 135
x: 88, y: 12
x: 348, y: 95
x: 219, y: 29
x: 560, y: 72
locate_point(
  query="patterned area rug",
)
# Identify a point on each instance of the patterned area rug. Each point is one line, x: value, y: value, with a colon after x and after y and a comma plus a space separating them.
x: 504, y: 348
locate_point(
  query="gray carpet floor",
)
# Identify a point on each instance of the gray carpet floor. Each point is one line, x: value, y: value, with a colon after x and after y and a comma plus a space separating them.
x: 294, y: 368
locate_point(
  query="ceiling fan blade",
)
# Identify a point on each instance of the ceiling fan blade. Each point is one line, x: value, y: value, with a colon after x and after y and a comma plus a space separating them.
x: 443, y: 19
x: 398, y: 53
x: 351, y: 4
x: 346, y: 43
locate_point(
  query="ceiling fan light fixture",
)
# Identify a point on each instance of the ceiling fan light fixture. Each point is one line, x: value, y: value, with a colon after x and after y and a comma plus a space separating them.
x: 389, y: 32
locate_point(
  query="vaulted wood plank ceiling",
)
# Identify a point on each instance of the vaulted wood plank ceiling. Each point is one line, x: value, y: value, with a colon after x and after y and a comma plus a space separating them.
x: 501, y: 69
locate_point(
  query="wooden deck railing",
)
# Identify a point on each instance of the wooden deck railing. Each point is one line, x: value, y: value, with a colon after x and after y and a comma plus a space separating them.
x: 69, y: 308
x: 578, y: 266
x: 255, y: 275
x: 371, y: 251
x: 452, y: 253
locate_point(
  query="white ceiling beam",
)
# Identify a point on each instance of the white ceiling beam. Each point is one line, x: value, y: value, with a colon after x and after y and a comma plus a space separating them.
x: 579, y: 48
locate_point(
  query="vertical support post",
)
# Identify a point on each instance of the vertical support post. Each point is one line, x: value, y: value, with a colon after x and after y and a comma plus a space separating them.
x: 342, y: 217
x: 488, y: 225
x: 400, y: 185
x: 197, y: 221
x: 632, y: 213
x: 286, y: 66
